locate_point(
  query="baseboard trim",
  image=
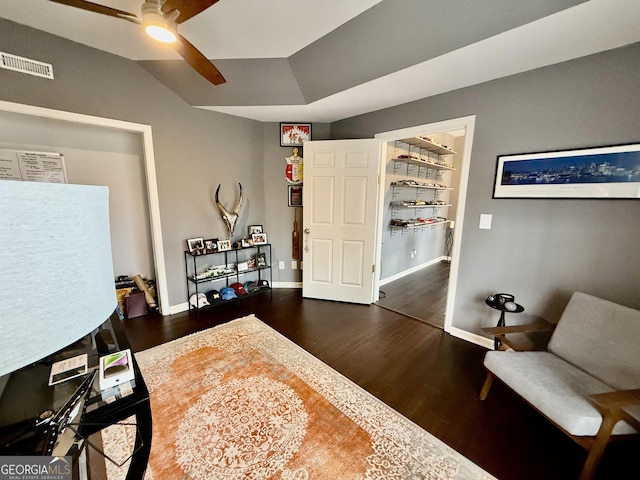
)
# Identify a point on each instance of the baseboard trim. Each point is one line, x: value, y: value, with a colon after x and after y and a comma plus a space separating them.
x: 471, y: 337
x: 411, y: 270
x: 183, y: 307
x: 287, y: 285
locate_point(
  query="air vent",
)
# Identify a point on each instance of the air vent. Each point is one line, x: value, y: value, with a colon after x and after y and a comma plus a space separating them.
x: 26, y: 65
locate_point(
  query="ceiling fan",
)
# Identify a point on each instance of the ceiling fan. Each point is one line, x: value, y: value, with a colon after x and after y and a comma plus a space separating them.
x: 160, y: 19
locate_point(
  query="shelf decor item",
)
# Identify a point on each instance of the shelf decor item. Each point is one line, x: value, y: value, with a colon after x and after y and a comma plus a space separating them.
x: 293, y: 134
x: 259, y: 238
x: 195, y: 245
x: 224, y: 245
x: 295, y: 196
x: 229, y: 217
x: 601, y: 172
x: 255, y: 229
x: 293, y: 172
x: 210, y: 245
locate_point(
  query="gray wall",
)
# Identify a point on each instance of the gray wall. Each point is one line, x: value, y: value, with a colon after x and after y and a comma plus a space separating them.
x: 427, y: 241
x: 97, y: 156
x: 539, y: 250
x: 195, y: 150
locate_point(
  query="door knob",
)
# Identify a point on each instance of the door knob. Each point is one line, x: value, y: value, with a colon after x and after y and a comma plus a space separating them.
x: 306, y: 239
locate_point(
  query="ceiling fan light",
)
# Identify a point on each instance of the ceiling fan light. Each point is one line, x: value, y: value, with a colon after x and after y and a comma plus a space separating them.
x: 156, y: 24
x: 160, y: 33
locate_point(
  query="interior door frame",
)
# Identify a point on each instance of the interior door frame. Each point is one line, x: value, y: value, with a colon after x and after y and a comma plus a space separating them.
x: 150, y: 173
x: 468, y: 124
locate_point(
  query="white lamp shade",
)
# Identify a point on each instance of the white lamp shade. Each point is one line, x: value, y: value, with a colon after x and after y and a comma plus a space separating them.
x: 56, y: 278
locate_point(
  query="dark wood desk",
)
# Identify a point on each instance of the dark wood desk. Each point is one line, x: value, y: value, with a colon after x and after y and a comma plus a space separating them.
x: 26, y: 394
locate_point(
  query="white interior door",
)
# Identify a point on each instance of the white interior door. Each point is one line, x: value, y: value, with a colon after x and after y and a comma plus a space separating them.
x: 340, y: 198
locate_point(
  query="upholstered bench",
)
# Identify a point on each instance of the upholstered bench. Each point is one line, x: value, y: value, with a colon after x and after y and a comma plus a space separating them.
x: 594, y: 349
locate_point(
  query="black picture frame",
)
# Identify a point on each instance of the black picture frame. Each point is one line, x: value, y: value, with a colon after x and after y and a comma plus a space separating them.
x: 259, y: 238
x: 195, y: 245
x: 294, y: 134
x: 211, y: 245
x: 598, y: 172
x: 294, y: 195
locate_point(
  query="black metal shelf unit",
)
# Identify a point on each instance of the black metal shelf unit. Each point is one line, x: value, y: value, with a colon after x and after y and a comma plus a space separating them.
x: 240, y: 265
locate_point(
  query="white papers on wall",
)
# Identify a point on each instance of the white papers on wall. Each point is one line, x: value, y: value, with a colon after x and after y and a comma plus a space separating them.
x: 32, y: 166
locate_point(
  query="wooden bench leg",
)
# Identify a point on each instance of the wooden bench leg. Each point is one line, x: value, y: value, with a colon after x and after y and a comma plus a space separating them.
x: 487, y: 385
x: 597, y: 449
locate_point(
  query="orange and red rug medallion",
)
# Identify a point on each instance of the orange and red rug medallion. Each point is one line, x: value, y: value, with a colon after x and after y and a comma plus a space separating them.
x: 240, y: 401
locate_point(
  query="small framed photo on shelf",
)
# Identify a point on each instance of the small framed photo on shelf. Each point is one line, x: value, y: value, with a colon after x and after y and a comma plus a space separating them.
x: 211, y: 245
x: 246, y: 242
x: 224, y: 245
x: 255, y: 229
x: 259, y: 238
x: 242, y: 266
x: 295, y: 196
x: 293, y: 134
x: 251, y: 263
x: 261, y: 260
x: 195, y: 245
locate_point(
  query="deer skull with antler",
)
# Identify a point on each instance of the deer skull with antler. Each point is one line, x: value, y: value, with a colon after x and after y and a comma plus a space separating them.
x: 229, y: 218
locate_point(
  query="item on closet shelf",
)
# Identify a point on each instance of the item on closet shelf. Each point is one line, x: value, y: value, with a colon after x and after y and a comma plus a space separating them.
x: 263, y: 284
x: 243, y: 266
x: 238, y: 288
x: 251, y: 287
x: 213, y: 297
x: 199, y: 300
x: 228, y: 293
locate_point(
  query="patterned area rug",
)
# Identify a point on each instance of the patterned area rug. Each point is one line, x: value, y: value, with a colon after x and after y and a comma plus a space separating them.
x: 240, y: 401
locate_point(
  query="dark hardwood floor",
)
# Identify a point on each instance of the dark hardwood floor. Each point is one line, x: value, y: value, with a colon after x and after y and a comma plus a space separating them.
x: 420, y: 371
x: 421, y: 295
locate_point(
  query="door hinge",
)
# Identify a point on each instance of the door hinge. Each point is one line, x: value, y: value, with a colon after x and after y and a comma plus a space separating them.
x: 373, y: 268
x: 378, y: 179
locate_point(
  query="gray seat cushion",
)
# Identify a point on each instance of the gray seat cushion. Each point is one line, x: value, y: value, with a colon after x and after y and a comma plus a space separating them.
x: 556, y: 388
x: 601, y: 338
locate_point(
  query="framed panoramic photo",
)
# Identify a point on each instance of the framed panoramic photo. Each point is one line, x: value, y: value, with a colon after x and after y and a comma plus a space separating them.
x: 602, y: 172
x: 293, y: 134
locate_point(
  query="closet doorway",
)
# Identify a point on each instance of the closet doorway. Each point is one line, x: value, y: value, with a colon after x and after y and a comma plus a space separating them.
x: 422, y: 212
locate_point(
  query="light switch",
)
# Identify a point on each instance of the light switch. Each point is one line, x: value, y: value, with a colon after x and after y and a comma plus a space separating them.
x: 281, y: 264
x: 485, y: 221
x: 294, y: 264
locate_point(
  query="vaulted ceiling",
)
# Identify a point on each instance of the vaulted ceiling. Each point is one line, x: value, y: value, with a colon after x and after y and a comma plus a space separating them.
x: 332, y: 59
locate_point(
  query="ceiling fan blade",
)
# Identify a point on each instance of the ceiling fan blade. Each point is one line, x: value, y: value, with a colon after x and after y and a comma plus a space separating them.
x: 187, y: 8
x: 102, y: 9
x: 198, y: 61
